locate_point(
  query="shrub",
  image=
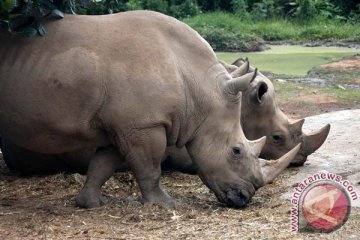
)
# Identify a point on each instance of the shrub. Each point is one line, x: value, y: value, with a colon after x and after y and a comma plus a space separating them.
x: 221, y: 39
x: 186, y: 9
x: 157, y: 5
x: 240, y: 8
x: 134, y: 5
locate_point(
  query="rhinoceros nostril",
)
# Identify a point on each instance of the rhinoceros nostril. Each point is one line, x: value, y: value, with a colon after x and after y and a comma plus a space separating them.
x: 236, y: 199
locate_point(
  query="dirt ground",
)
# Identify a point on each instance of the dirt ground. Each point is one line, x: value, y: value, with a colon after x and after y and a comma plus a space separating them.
x: 43, y: 207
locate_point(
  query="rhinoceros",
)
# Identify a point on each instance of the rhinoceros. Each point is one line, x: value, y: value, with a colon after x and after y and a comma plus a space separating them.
x: 126, y: 86
x: 261, y: 116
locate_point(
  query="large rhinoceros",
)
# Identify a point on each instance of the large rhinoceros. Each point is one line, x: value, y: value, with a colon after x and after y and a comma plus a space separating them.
x: 128, y: 85
x: 261, y: 116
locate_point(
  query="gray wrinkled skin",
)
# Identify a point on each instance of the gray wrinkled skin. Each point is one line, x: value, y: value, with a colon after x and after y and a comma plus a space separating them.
x: 117, y: 89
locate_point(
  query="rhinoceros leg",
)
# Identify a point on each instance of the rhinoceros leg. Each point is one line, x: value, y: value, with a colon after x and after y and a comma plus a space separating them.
x: 145, y: 162
x: 179, y: 160
x: 101, y: 168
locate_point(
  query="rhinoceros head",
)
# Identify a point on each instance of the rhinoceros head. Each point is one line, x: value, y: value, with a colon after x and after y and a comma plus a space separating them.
x: 227, y: 162
x: 261, y: 116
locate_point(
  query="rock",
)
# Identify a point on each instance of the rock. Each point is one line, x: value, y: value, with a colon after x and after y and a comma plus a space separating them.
x: 341, y: 87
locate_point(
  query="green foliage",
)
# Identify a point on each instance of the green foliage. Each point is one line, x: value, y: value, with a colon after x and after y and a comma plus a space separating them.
x: 263, y: 10
x: 187, y: 8
x: 240, y: 8
x: 305, y: 10
x: 221, y: 39
x: 157, y: 5
x: 269, y: 19
x: 134, y: 5
x: 223, y: 31
x: 22, y: 16
x: 274, y: 30
x: 219, y: 26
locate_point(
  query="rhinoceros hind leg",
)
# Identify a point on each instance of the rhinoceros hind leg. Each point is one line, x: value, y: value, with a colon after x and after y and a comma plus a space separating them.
x: 101, y: 168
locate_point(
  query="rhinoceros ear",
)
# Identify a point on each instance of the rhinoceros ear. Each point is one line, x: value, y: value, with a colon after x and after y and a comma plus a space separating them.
x: 256, y: 95
x: 235, y: 85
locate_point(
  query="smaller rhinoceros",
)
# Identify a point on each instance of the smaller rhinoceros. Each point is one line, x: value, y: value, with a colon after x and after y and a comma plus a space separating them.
x: 261, y: 116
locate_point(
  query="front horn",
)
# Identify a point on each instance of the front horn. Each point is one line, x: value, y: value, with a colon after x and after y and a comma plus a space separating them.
x: 271, y: 169
x: 311, y: 142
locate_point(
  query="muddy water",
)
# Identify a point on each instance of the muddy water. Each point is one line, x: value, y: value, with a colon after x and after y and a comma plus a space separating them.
x: 291, y: 59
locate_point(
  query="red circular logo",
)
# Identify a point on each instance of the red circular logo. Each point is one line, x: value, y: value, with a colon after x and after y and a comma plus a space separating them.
x: 326, y: 206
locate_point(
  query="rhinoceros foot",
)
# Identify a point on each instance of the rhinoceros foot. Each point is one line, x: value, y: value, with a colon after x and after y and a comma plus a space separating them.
x: 90, y: 198
x: 159, y: 197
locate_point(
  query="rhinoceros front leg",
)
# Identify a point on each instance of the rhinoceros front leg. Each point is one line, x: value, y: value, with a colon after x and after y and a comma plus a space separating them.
x: 145, y: 155
x: 101, y: 168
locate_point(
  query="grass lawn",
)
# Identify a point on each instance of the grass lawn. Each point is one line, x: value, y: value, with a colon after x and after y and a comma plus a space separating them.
x: 290, y: 60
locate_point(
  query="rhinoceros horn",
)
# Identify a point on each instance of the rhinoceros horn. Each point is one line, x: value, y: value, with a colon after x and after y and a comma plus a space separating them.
x: 241, y: 83
x: 271, y: 169
x: 257, y: 145
x: 296, y: 126
x: 311, y: 142
x: 241, y: 70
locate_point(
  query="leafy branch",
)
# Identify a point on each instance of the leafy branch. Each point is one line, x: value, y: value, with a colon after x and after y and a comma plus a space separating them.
x: 23, y: 17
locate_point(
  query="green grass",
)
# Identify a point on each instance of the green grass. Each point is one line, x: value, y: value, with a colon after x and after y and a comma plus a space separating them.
x: 344, y: 96
x: 292, y: 92
x: 290, y: 60
x: 272, y: 30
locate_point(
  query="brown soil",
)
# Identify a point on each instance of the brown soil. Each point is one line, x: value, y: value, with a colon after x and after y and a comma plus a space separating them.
x: 301, y: 110
x: 348, y: 64
x: 43, y: 208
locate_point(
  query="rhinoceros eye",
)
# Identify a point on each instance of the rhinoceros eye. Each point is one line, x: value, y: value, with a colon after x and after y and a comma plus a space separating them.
x: 277, y: 139
x: 236, y: 151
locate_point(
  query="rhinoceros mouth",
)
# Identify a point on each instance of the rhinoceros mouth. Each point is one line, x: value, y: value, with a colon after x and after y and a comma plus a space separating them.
x: 232, y: 197
x: 299, y: 160
x: 236, y: 199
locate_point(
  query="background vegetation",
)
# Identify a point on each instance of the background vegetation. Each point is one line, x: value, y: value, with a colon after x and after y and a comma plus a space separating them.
x: 226, y: 24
